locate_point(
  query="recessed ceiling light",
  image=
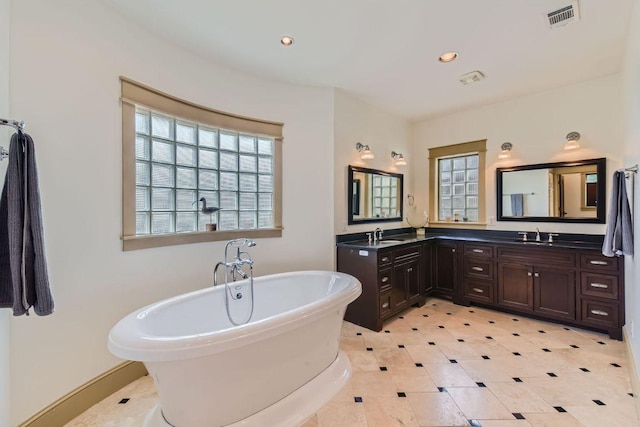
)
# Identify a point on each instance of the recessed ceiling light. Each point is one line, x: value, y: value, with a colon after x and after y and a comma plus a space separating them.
x: 287, y: 40
x: 448, y: 56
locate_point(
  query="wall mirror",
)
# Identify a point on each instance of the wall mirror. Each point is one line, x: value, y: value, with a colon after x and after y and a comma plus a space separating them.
x: 553, y: 192
x: 374, y: 195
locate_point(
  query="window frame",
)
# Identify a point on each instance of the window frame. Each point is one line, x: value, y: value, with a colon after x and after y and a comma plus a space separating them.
x: 136, y: 94
x: 457, y: 150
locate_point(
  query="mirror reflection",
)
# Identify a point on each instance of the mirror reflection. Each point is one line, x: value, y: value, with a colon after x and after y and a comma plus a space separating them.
x: 374, y: 195
x: 567, y: 191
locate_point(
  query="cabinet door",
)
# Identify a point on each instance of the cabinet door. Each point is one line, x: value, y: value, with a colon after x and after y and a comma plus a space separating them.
x: 402, y: 274
x: 427, y: 268
x: 413, y: 275
x: 446, y: 267
x: 515, y: 286
x: 555, y: 292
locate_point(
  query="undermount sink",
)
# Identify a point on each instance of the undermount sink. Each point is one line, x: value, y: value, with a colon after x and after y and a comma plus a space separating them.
x: 391, y: 241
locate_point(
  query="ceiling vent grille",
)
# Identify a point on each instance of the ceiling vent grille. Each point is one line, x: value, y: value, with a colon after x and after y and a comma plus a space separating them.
x: 472, y: 77
x: 566, y: 15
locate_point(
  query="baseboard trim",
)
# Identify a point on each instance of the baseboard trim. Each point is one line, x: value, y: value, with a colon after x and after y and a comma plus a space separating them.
x: 82, y: 398
x: 633, y: 372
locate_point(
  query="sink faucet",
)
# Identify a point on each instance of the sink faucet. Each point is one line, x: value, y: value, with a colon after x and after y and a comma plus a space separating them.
x: 537, y: 234
x: 377, y: 234
x: 551, y: 237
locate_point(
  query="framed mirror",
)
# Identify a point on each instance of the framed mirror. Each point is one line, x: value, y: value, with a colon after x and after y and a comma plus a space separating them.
x: 553, y: 192
x: 374, y: 195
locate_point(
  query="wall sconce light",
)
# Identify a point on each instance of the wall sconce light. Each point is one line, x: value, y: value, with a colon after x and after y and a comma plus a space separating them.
x: 399, y: 159
x: 572, y: 141
x: 505, y: 151
x: 365, y: 152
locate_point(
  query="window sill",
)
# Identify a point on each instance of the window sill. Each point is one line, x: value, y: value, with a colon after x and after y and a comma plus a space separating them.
x: 133, y: 243
x: 453, y: 224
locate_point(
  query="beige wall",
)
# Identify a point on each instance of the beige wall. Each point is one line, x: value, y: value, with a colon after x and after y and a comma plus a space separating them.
x: 356, y: 121
x: 631, y: 88
x: 66, y: 57
x: 5, y: 132
x: 536, y: 125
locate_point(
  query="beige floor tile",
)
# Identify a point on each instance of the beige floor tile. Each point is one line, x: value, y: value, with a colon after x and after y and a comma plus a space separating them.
x: 373, y: 384
x: 426, y: 354
x: 436, y: 409
x: 380, y: 340
x: 393, y: 357
x: 554, y: 420
x: 312, y: 422
x: 352, y: 343
x: 519, y: 398
x: 597, y: 416
x: 342, y: 415
x: 345, y: 395
x: 414, y: 383
x: 362, y: 360
x: 409, y: 338
x: 479, y: 403
x: 505, y: 423
x: 389, y: 412
x: 451, y: 375
x: 460, y: 351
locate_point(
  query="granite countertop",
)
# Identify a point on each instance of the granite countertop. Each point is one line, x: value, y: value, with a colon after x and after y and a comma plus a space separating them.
x: 396, y: 240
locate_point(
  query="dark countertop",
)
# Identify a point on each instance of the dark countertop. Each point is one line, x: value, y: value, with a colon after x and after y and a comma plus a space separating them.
x: 406, y: 238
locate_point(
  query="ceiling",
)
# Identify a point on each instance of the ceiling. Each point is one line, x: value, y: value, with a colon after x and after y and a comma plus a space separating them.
x: 385, y: 52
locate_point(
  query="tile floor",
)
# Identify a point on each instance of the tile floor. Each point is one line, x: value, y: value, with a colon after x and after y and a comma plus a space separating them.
x: 448, y: 365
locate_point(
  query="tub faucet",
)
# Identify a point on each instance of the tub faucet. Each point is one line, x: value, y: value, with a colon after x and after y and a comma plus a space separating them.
x: 233, y: 268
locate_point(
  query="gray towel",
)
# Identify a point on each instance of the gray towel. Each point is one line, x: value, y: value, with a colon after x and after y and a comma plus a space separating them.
x: 517, y: 204
x: 618, y: 240
x: 24, y: 282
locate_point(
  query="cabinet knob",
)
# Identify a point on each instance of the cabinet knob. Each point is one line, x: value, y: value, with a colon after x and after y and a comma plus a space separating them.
x: 477, y: 268
x: 409, y: 270
x: 478, y: 290
x: 385, y: 259
x: 598, y: 285
x: 385, y: 279
x: 453, y: 250
x: 536, y: 274
x: 529, y: 273
x: 385, y: 305
x: 599, y: 313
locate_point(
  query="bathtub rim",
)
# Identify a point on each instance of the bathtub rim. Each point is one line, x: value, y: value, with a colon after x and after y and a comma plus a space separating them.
x: 127, y: 341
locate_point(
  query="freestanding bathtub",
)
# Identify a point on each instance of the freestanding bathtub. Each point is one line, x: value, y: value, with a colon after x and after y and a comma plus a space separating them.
x: 276, y: 370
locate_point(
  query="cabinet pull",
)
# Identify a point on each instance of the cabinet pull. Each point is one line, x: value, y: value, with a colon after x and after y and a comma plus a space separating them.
x: 385, y: 259
x: 598, y: 285
x: 478, y: 290
x: 536, y: 274
x: 478, y: 251
x: 594, y: 262
x: 385, y: 305
x: 599, y: 313
x: 477, y: 268
x: 385, y: 279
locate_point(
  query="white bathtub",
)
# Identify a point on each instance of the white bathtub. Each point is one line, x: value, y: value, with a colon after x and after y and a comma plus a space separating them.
x: 276, y: 370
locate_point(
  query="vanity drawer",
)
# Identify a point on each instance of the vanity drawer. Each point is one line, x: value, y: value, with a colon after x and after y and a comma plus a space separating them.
x: 404, y: 253
x: 599, y: 285
x: 479, y: 291
x: 539, y: 256
x: 479, y: 268
x: 385, y: 258
x: 385, y: 305
x: 596, y: 261
x: 478, y: 250
x: 600, y: 313
x: 385, y: 280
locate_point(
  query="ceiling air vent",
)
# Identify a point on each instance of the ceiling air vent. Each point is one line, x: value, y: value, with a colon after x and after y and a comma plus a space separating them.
x: 472, y: 77
x: 566, y: 15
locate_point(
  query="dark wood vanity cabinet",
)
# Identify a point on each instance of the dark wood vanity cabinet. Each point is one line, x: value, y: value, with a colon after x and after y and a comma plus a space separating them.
x: 392, y: 280
x: 571, y: 285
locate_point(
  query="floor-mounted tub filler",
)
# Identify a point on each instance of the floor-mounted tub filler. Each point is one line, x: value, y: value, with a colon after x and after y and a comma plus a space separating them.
x: 277, y: 369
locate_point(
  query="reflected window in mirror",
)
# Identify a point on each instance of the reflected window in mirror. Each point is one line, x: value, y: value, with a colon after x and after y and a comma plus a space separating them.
x: 456, y: 181
x: 552, y: 192
x: 374, y: 195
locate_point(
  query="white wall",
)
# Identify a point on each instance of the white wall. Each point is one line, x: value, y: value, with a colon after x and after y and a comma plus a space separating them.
x: 536, y: 125
x: 66, y: 57
x: 5, y: 366
x: 356, y: 121
x: 631, y: 85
